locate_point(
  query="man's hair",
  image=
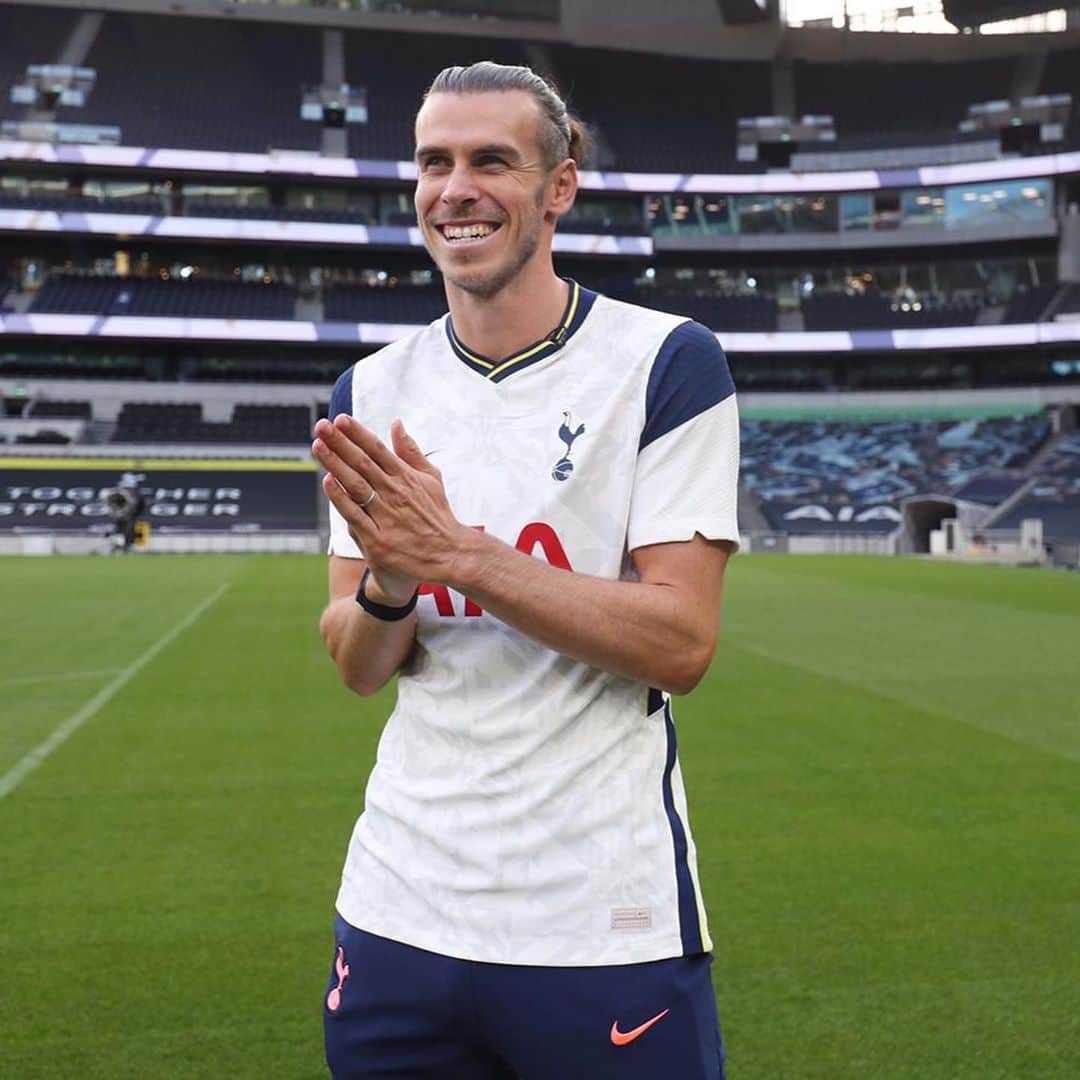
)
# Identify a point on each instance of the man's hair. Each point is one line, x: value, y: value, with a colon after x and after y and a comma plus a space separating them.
x: 562, y: 134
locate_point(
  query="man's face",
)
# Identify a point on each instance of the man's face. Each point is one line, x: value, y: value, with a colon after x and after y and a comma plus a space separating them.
x: 482, y: 187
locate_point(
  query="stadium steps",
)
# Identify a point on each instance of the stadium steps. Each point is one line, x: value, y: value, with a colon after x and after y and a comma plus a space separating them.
x: 18, y: 303
x: 1032, y: 468
x: 1056, y: 302
x: 751, y: 519
x: 1003, y: 509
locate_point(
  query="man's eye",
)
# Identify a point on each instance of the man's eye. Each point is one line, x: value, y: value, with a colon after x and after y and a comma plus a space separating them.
x: 487, y: 162
x: 433, y: 162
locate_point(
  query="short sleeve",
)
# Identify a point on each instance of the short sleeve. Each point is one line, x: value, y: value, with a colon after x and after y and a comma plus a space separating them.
x: 341, y: 401
x: 687, y: 474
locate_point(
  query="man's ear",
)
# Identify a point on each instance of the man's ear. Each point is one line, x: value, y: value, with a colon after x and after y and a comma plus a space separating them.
x: 564, y: 186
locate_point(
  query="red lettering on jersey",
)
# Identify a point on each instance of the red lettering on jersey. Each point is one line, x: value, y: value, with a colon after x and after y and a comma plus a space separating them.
x: 540, y: 532
x: 443, y: 604
x: 535, y: 533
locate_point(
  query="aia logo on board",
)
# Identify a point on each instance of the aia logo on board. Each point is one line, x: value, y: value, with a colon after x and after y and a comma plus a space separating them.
x: 537, y: 534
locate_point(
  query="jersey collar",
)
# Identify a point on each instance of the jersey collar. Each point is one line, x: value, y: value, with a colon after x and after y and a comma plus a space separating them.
x: 578, y: 304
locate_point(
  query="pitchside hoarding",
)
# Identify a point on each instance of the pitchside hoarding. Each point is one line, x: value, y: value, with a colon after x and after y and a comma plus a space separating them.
x: 52, y: 494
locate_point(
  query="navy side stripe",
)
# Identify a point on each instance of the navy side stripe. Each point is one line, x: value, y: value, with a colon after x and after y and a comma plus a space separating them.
x: 689, y: 923
x: 341, y: 398
x: 689, y: 375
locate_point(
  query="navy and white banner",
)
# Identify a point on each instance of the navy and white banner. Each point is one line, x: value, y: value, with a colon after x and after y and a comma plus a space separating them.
x: 144, y: 327
x: 68, y: 495
x: 805, y: 516
x: 285, y: 232
x: 299, y: 164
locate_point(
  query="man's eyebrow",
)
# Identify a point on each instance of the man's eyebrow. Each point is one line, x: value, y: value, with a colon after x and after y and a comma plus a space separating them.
x: 497, y: 149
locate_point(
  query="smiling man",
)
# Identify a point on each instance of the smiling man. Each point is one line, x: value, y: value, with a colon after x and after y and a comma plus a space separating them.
x: 520, y: 896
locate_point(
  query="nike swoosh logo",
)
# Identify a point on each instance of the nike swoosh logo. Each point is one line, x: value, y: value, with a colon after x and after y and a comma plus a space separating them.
x: 621, y: 1038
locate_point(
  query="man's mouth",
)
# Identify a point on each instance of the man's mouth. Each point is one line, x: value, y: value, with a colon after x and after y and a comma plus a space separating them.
x: 464, y: 232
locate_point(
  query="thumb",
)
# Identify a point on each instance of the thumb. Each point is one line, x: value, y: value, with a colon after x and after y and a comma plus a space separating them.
x: 406, y: 448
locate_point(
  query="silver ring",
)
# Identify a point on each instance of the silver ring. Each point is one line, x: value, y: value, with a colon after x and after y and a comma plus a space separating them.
x: 369, y: 500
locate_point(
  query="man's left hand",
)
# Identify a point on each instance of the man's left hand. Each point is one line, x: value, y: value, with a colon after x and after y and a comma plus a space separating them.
x: 408, y: 527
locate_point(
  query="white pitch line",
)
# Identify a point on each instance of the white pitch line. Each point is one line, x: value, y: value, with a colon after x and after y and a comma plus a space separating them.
x: 65, y: 676
x: 12, y: 778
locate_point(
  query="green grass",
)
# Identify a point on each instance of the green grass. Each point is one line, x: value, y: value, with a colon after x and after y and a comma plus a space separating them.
x: 884, y: 777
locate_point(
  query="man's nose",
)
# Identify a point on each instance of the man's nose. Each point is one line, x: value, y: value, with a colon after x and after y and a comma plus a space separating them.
x: 460, y: 186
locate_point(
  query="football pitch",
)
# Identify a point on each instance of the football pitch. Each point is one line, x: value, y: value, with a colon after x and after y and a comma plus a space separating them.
x: 883, y: 769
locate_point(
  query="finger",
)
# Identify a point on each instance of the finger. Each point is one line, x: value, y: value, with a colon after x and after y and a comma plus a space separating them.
x: 408, y: 449
x: 369, y: 442
x: 340, y: 443
x: 352, y: 482
x: 355, y: 517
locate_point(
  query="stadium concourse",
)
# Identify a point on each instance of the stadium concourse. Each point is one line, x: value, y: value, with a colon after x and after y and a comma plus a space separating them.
x: 187, y: 263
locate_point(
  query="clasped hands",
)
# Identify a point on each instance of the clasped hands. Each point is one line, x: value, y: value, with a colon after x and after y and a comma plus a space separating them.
x: 393, y: 501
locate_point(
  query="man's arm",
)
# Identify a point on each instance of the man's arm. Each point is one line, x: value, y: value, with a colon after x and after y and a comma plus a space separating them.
x: 368, y: 652
x: 660, y: 630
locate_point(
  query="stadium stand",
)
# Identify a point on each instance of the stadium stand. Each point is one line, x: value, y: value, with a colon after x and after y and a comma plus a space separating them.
x: 272, y: 425
x: 897, y: 104
x: 75, y: 295
x: 689, y: 107
x: 31, y: 35
x: 395, y: 79
x: 406, y: 304
x: 748, y: 314
x: 202, y: 83
x: 1059, y: 77
x: 276, y: 213
x: 1028, y: 303
x: 82, y: 204
x: 91, y: 295
x: 1070, y: 300
x: 872, y: 311
x: 863, y: 465
x: 72, y: 410
x: 1055, y: 495
x: 157, y: 422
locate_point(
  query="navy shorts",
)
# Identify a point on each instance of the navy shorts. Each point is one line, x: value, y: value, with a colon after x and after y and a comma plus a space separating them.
x: 391, y: 1010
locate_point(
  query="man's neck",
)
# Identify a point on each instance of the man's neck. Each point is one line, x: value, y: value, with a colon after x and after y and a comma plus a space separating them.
x: 526, y: 310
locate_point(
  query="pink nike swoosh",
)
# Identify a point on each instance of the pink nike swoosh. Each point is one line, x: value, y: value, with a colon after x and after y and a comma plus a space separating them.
x: 621, y: 1038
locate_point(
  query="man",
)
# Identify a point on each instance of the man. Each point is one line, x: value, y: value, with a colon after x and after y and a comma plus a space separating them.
x: 538, y: 550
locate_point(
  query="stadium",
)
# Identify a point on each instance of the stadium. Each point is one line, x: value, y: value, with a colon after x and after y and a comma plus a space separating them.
x: 206, y: 216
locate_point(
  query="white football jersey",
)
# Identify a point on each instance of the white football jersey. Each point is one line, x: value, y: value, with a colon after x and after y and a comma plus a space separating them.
x: 524, y: 807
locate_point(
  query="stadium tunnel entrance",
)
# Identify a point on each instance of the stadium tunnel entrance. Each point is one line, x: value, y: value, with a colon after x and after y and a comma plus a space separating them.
x: 922, y: 516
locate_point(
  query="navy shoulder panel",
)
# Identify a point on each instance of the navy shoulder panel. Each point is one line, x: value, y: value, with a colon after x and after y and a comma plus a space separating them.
x: 689, y: 375
x: 341, y: 398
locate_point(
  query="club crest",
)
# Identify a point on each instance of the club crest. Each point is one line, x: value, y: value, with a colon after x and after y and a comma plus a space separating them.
x: 563, y: 468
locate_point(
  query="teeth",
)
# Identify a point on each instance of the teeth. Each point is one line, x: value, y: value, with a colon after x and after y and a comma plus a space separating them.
x: 467, y: 232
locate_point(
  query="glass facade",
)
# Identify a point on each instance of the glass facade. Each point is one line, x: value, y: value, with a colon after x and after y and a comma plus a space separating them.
x: 970, y: 206
x: 962, y: 206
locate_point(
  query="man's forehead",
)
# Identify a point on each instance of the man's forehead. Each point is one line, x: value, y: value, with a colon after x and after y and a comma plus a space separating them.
x: 477, y: 119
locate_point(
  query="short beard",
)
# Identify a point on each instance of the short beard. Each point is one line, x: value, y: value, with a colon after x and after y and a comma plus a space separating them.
x: 488, y: 287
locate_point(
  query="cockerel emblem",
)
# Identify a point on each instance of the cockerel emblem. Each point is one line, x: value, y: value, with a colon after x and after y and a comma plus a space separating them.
x: 564, y: 467
x: 333, y: 999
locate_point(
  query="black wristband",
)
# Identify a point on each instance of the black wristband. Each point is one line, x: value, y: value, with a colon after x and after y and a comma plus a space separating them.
x: 382, y: 611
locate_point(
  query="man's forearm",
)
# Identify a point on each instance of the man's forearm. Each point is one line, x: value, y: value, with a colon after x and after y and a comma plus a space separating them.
x: 368, y: 652
x: 637, y: 630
